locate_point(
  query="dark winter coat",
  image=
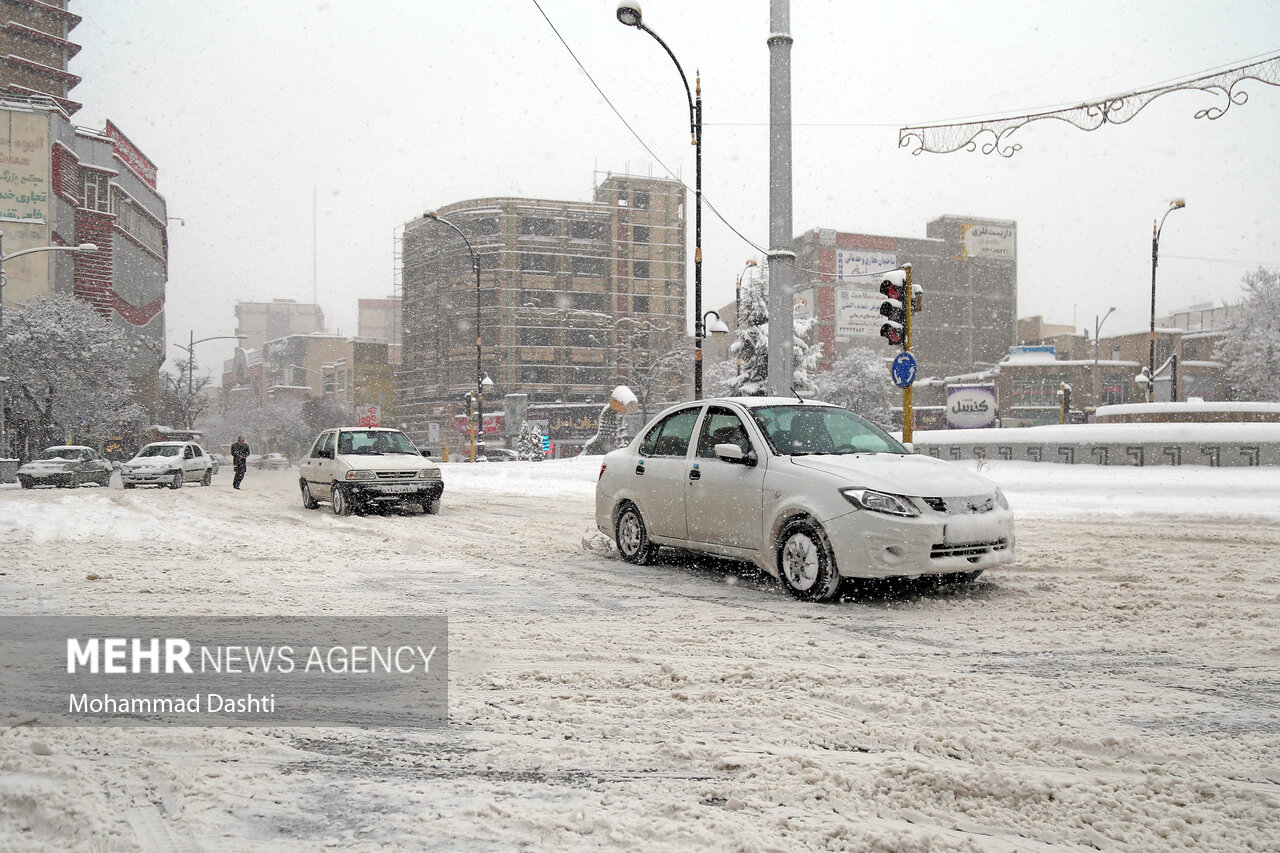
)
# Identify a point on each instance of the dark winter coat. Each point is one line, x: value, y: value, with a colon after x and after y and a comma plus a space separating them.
x: 239, y: 454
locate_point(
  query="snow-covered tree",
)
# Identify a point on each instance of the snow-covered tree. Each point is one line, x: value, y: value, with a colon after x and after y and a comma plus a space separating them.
x: 860, y: 381
x: 182, y: 397
x: 530, y: 443
x: 1252, y: 350
x: 750, y: 349
x: 68, y: 372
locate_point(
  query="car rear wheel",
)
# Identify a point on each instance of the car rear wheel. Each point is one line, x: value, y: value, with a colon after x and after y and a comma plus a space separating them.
x: 75, y: 482
x: 340, y: 502
x: 805, y: 566
x: 632, y: 536
x: 130, y: 485
x: 176, y: 482
x: 308, y: 502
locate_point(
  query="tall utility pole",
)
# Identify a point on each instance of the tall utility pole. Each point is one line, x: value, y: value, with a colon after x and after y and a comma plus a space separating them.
x: 781, y: 256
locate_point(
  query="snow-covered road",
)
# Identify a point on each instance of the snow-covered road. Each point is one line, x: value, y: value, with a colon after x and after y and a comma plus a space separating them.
x: 1118, y: 688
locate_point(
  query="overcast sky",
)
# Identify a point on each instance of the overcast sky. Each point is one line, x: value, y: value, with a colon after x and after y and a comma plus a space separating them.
x: 382, y: 109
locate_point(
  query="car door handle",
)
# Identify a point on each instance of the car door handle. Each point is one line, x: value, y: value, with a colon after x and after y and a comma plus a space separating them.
x: 695, y: 474
x: 640, y: 470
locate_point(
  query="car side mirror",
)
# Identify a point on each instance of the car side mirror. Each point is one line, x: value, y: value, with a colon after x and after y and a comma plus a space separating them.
x: 909, y: 446
x: 733, y: 453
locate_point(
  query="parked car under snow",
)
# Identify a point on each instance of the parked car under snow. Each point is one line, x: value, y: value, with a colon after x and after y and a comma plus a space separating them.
x: 65, y: 465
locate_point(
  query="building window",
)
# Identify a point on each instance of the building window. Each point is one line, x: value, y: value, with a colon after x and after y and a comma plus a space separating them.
x: 640, y: 304
x: 1035, y: 391
x: 97, y: 192
x: 640, y: 199
x: 588, y: 230
x: 587, y: 301
x: 639, y: 269
x: 530, y: 262
x: 640, y: 234
x: 485, y: 226
x: 588, y: 266
x: 538, y: 375
x: 538, y: 226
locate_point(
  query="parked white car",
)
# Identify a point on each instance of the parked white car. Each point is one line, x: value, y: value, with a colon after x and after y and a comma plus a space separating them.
x: 354, y: 468
x: 809, y: 492
x: 65, y: 465
x: 168, y: 463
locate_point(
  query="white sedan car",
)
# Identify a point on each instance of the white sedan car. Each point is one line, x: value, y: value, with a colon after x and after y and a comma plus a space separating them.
x: 168, y: 463
x: 69, y: 465
x: 810, y: 492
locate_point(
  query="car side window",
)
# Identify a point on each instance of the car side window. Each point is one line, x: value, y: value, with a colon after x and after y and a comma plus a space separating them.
x: 671, y: 435
x: 721, y: 426
x: 187, y: 452
x: 324, y: 445
x: 195, y: 451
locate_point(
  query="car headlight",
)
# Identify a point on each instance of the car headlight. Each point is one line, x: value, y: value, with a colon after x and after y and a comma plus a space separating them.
x: 429, y: 474
x: 884, y: 502
x: 1001, y: 500
x: 361, y: 475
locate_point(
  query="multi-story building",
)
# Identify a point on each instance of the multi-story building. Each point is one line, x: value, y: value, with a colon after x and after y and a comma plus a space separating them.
x: 64, y: 185
x: 260, y: 322
x: 34, y: 52
x: 573, y: 298
x: 967, y: 267
x: 379, y: 319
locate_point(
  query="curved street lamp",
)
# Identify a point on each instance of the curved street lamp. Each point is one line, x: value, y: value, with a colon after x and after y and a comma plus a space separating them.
x: 629, y: 14
x: 1176, y: 204
x: 481, y: 378
x: 1097, y: 345
x: 83, y: 247
x: 191, y: 364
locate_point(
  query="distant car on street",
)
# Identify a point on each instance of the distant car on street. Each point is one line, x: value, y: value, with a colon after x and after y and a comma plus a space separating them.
x: 168, y: 463
x: 809, y: 492
x: 65, y: 465
x: 501, y: 454
x: 270, y: 461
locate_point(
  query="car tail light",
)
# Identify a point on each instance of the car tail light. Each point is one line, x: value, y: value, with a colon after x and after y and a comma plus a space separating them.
x: 603, y: 465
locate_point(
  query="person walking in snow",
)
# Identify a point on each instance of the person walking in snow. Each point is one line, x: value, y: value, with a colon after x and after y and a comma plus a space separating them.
x: 239, y: 460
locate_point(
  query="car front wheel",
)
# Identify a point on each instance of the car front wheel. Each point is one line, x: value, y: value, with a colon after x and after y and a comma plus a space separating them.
x: 25, y: 482
x: 176, y: 482
x: 432, y: 506
x: 340, y: 502
x: 207, y: 479
x: 632, y: 536
x: 805, y: 565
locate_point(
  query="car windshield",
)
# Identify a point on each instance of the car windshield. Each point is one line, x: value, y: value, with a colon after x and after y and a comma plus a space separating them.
x: 160, y: 450
x: 359, y: 442
x: 60, y: 453
x: 802, y: 430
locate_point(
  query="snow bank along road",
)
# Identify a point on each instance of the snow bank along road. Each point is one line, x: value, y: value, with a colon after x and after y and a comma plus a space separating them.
x: 1116, y: 689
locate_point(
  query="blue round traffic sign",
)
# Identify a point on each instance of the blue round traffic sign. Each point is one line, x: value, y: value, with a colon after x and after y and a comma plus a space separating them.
x: 904, y: 370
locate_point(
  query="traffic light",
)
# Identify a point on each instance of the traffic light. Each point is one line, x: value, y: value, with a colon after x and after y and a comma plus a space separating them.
x: 893, y: 287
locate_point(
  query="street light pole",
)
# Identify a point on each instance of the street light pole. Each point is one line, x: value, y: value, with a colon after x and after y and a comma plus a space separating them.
x: 480, y: 377
x: 1176, y: 204
x: 1097, y: 343
x: 629, y: 14
x: 83, y: 247
x: 191, y: 365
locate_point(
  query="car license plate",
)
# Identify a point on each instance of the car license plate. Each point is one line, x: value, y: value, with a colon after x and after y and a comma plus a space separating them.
x: 396, y: 488
x: 967, y: 529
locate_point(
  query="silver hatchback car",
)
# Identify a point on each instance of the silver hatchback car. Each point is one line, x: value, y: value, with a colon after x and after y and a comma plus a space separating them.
x: 810, y: 492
